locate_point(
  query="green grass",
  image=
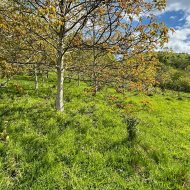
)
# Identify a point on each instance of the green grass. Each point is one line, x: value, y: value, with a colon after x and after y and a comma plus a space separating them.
x: 87, y: 147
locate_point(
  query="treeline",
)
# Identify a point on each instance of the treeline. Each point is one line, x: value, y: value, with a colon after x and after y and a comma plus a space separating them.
x: 174, y: 71
x: 98, y: 69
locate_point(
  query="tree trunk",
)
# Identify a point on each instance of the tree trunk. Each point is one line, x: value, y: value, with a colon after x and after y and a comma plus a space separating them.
x: 36, y: 77
x: 47, y: 74
x: 96, y: 86
x: 60, y: 62
x: 78, y: 78
x: 60, y: 81
x: 94, y: 62
x: 94, y: 75
x: 43, y: 78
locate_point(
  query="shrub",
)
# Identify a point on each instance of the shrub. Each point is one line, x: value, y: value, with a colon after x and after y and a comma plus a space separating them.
x: 174, y: 79
x: 183, y: 84
x: 132, y: 123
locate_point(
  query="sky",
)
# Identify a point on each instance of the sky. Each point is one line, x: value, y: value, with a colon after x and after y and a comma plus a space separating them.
x: 177, y: 16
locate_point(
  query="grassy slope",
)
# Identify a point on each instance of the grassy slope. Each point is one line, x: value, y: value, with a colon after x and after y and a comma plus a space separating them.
x: 86, y: 147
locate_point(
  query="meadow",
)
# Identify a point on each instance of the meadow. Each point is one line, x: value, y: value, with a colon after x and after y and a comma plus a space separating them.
x: 88, y: 145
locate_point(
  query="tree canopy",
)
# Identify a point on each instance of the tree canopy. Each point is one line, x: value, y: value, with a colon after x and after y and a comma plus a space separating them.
x: 46, y: 31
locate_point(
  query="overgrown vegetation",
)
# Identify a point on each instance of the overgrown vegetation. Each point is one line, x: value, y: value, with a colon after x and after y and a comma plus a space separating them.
x: 88, y: 146
x: 174, y: 73
x: 84, y: 100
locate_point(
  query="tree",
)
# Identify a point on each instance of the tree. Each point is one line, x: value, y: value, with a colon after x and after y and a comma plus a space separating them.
x: 139, y: 72
x: 122, y: 27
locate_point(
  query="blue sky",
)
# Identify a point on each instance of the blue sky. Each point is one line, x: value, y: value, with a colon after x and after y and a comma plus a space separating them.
x: 173, y: 19
x: 177, y: 15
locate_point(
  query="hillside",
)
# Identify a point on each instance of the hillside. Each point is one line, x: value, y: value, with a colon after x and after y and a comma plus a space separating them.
x: 88, y: 146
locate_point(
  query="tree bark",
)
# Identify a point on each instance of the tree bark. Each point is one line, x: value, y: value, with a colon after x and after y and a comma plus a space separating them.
x: 47, y: 74
x: 36, y: 77
x: 78, y: 78
x: 60, y: 81
x: 94, y: 61
x: 60, y: 62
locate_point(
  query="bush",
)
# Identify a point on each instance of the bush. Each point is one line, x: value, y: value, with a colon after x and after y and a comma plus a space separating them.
x: 174, y: 79
x: 183, y: 84
x: 131, y: 122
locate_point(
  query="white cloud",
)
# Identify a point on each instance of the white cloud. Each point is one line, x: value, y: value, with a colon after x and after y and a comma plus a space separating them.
x: 188, y: 21
x: 180, y: 40
x: 177, y: 5
x: 173, y: 17
x: 181, y: 34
